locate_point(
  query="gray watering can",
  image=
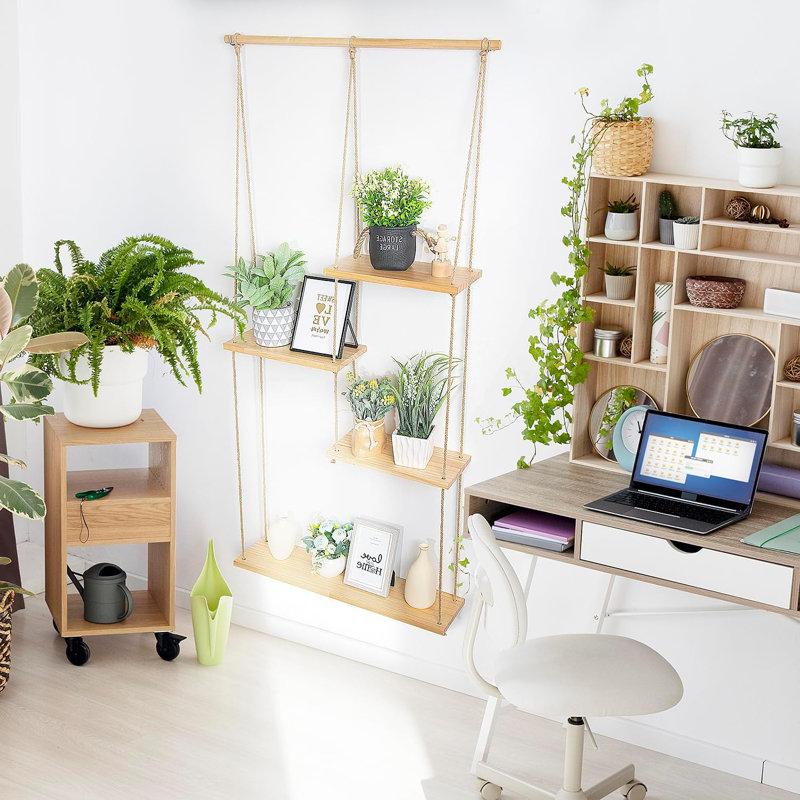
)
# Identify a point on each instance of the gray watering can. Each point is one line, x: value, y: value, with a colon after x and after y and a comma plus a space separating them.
x: 105, y: 596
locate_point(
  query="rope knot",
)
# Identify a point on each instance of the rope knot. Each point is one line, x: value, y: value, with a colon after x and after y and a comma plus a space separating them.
x: 484, y: 48
x: 352, y: 48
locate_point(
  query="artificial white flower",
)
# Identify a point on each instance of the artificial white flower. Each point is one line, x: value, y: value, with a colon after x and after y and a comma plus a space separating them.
x: 320, y: 542
x: 339, y: 535
x: 327, y: 526
x: 330, y: 549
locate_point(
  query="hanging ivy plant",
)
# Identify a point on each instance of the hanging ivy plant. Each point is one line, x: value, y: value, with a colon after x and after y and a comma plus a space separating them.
x: 545, y: 407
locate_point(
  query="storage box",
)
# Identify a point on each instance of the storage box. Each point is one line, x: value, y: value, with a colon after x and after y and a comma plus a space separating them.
x: 782, y: 303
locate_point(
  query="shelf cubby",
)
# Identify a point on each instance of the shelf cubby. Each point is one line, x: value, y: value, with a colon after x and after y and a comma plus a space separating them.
x: 688, y: 199
x: 603, y: 190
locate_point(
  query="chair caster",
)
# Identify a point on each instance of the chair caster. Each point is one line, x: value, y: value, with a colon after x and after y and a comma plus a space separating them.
x: 491, y: 791
x: 78, y: 652
x: 168, y: 645
x: 634, y: 791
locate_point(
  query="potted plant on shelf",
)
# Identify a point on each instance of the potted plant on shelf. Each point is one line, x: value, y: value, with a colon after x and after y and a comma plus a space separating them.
x: 686, y: 231
x: 136, y: 298
x: 370, y: 400
x: 622, y: 219
x: 328, y: 542
x: 268, y: 287
x: 667, y: 214
x: 757, y: 150
x: 420, y: 389
x: 391, y: 204
x: 619, y: 281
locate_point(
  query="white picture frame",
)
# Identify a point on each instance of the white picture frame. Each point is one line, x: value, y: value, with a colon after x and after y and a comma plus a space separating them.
x: 313, y: 325
x: 374, y: 555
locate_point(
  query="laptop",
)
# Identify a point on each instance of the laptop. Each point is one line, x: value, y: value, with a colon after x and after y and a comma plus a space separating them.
x: 691, y: 474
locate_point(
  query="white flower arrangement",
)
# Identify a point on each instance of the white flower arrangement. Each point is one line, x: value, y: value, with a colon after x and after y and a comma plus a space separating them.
x: 327, y: 540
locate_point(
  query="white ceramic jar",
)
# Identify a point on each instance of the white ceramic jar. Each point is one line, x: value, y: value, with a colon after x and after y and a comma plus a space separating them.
x: 622, y: 227
x: 759, y: 167
x: 283, y: 536
x: 420, y: 589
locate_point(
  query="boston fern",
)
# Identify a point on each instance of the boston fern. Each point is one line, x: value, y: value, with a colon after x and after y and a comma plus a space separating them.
x: 136, y: 295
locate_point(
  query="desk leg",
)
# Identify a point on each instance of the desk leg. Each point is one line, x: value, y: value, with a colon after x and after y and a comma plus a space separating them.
x: 601, y: 617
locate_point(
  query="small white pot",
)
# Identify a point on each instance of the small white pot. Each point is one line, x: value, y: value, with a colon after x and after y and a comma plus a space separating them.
x: 686, y: 236
x: 273, y: 327
x: 411, y: 452
x: 119, y: 396
x: 620, y: 287
x: 759, y: 167
x: 622, y: 227
x: 283, y: 537
x: 331, y: 567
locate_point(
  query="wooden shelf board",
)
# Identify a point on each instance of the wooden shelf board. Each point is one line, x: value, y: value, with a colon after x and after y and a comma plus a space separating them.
x: 129, y: 485
x: 749, y: 255
x: 596, y: 461
x: 606, y: 240
x: 384, y: 462
x: 147, y: 617
x: 418, y: 276
x: 788, y: 385
x: 724, y: 222
x: 148, y: 428
x: 656, y: 245
x: 621, y: 361
x: 601, y: 297
x: 296, y: 571
x: 784, y: 444
x: 248, y: 346
x: 743, y: 312
x: 701, y: 182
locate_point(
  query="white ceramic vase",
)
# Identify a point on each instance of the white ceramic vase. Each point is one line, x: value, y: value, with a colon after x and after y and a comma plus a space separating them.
x: 283, y: 536
x: 119, y: 396
x: 331, y: 567
x: 686, y: 236
x: 759, y: 167
x: 411, y: 452
x: 420, y: 590
x: 620, y: 287
x: 273, y: 327
x: 622, y: 227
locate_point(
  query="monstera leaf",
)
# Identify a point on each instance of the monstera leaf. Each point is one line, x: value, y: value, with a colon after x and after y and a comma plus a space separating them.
x: 56, y: 342
x: 20, y: 499
x: 27, y: 383
x: 23, y: 289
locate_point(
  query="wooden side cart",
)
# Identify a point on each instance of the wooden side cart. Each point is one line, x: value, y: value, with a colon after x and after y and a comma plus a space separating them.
x: 140, y: 510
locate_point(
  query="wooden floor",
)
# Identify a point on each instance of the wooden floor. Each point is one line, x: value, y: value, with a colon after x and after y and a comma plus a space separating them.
x: 277, y: 721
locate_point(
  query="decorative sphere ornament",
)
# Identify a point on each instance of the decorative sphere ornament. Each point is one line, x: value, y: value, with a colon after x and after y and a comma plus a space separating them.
x: 626, y: 346
x: 738, y: 207
x: 791, y: 369
x: 761, y: 213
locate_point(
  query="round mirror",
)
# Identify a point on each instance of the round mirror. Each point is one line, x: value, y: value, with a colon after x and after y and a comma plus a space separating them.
x: 605, y: 414
x: 730, y: 380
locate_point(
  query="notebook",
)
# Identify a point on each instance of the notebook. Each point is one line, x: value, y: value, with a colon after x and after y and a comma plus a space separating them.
x: 536, y: 529
x: 783, y: 536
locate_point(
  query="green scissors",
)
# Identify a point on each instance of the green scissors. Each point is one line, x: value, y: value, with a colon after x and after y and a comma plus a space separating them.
x: 94, y: 494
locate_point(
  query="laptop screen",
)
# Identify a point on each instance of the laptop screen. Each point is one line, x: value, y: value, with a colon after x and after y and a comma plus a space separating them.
x: 696, y: 459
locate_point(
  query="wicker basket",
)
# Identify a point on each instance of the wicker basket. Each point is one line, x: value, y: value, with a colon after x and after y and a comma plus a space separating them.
x: 6, y: 601
x: 623, y: 149
x: 714, y: 291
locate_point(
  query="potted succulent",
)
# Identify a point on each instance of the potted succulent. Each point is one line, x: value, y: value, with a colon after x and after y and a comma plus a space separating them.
x: 622, y: 219
x: 391, y: 204
x: 686, y: 231
x: 136, y: 298
x: 619, y: 280
x: 420, y: 390
x: 328, y: 542
x: 370, y: 400
x: 757, y: 150
x: 268, y: 287
x: 667, y: 214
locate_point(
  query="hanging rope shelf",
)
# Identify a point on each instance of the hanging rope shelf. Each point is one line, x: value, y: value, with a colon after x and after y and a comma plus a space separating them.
x: 447, y: 466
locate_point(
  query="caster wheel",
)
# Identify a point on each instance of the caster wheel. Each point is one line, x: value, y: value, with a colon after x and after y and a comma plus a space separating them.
x: 634, y: 791
x: 491, y: 791
x: 168, y: 645
x: 78, y: 652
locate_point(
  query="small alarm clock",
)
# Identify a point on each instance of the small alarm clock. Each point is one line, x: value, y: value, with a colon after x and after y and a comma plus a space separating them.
x: 627, y: 433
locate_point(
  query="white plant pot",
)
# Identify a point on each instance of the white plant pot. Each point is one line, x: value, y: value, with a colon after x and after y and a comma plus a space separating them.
x: 331, y: 567
x: 759, y: 167
x: 119, y: 396
x: 686, y: 236
x: 283, y: 537
x: 622, y: 227
x: 411, y: 452
x: 620, y: 287
x: 273, y: 327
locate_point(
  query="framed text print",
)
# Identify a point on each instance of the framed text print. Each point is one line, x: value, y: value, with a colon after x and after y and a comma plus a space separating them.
x: 375, y: 549
x: 313, y: 326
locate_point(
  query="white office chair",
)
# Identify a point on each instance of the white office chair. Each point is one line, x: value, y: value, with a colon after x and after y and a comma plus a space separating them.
x: 570, y: 677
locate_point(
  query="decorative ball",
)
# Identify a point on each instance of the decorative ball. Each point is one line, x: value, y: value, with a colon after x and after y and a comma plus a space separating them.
x: 626, y: 347
x: 737, y: 207
x: 761, y: 213
x: 791, y: 369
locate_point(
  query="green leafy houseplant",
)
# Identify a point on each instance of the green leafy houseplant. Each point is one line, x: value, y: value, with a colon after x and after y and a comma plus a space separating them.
x: 622, y: 398
x: 5, y: 586
x: 751, y: 131
x: 688, y: 220
x: 627, y: 109
x: 626, y: 206
x: 136, y: 295
x: 326, y: 541
x: 370, y: 399
x: 270, y: 282
x: 667, y: 207
x: 390, y: 198
x: 617, y: 270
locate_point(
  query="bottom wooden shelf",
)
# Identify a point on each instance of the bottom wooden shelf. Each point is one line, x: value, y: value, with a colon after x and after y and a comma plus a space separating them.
x: 147, y: 617
x: 296, y: 570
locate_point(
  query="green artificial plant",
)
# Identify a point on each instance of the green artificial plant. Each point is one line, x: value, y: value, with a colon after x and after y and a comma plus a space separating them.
x: 369, y: 398
x: 136, y: 295
x: 390, y: 198
x: 751, y: 131
x: 622, y: 398
x: 617, y: 270
x: 667, y: 207
x: 272, y: 280
x: 688, y: 220
x: 626, y: 206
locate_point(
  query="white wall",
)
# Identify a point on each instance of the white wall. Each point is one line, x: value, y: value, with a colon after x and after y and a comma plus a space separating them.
x: 127, y: 126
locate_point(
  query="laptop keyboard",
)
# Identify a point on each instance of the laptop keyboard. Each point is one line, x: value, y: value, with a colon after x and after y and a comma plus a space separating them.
x: 667, y: 506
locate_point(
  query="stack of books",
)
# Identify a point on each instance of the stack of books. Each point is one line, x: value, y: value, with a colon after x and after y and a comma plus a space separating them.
x: 536, y: 529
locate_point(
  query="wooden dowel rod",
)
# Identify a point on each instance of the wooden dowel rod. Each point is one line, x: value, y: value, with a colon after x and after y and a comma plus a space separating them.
x: 332, y: 41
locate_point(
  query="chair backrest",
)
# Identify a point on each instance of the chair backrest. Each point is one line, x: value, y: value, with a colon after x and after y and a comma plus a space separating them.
x: 499, y: 586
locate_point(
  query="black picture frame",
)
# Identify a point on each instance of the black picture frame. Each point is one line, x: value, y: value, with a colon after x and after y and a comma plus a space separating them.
x: 342, y: 318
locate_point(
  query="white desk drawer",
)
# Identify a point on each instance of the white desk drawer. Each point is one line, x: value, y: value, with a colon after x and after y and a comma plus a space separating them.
x: 738, y: 576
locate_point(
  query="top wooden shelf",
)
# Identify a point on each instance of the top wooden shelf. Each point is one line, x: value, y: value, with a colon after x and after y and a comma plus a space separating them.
x: 148, y: 428
x: 418, y: 276
x: 708, y: 183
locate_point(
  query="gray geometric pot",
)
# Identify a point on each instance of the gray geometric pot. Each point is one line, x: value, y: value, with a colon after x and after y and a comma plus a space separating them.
x: 273, y: 326
x: 665, y: 235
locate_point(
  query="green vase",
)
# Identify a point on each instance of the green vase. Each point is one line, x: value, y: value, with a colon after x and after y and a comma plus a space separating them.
x: 212, y: 604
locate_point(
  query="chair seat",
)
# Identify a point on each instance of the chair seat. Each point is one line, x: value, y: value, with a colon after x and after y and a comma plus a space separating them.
x: 587, y: 675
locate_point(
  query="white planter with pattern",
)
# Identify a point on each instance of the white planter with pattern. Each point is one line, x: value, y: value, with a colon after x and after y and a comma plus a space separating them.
x: 411, y: 452
x: 273, y: 327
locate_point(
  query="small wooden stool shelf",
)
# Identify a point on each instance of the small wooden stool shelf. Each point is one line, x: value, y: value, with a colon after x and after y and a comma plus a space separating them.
x: 140, y: 510
x: 296, y: 570
x: 383, y: 460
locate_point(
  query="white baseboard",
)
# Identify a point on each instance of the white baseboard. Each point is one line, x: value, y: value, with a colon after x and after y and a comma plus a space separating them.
x: 781, y: 777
